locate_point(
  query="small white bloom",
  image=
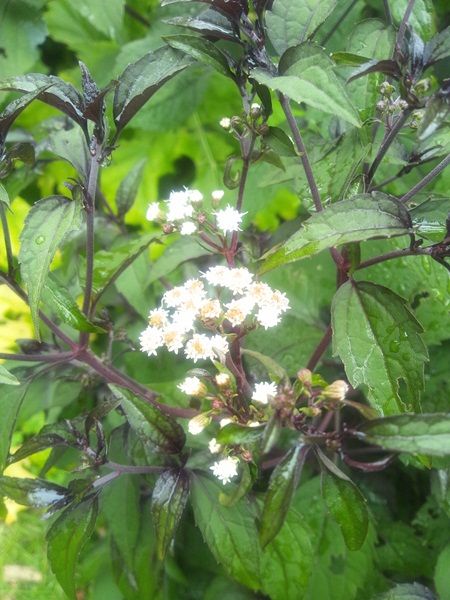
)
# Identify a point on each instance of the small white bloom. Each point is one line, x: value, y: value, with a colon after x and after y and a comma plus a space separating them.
x: 217, y: 195
x: 157, y: 317
x: 214, y: 447
x: 228, y: 219
x: 279, y: 301
x: 210, y: 309
x: 255, y: 106
x: 198, y: 424
x: 268, y: 317
x: 223, y: 379
x: 237, y: 280
x: 153, y: 211
x: 225, y: 122
x: 216, y: 275
x: 174, y: 297
x: 188, y: 228
x: 253, y: 423
x: 151, y: 340
x: 173, y: 339
x: 224, y: 422
x: 179, y: 206
x: 199, y: 347
x: 264, y: 392
x: 238, y: 310
x: 194, y: 291
x: 184, y: 318
x: 219, y: 345
x: 260, y: 292
x: 225, y: 469
x: 192, y: 386
x: 195, y: 195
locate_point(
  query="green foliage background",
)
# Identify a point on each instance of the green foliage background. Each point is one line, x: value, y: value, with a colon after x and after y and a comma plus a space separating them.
x: 178, y: 141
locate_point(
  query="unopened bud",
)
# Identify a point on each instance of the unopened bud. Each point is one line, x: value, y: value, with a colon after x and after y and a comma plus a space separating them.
x: 386, y: 89
x: 217, y: 195
x: 382, y: 105
x: 214, y: 447
x: 225, y: 122
x: 192, y: 386
x: 223, y: 380
x: 224, y: 422
x: 255, y: 110
x: 167, y: 228
x: 311, y: 411
x: 198, y: 423
x: 247, y: 456
x: 336, y: 391
x: 422, y: 86
x: 305, y: 376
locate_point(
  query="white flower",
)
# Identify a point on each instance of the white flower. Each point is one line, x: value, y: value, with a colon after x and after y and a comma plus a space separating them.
x: 224, y: 422
x: 210, y: 309
x: 216, y: 275
x: 237, y: 280
x: 238, y: 310
x: 173, y: 338
x: 188, y: 228
x: 337, y: 390
x: 264, y: 392
x: 195, y: 195
x: 223, y: 379
x: 174, y: 297
x: 225, y: 469
x: 253, y: 423
x: 198, y: 423
x: 153, y: 211
x: 229, y: 219
x: 194, y: 291
x: 183, y: 319
x: 279, y: 301
x: 219, y: 345
x: 192, y: 386
x: 225, y: 122
x: 214, y: 447
x: 157, y: 317
x: 199, y: 347
x: 268, y: 317
x: 217, y: 195
x: 179, y: 206
x: 151, y: 340
x: 260, y: 292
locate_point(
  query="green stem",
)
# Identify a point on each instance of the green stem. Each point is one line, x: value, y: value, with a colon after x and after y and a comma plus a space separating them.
x: 7, y: 238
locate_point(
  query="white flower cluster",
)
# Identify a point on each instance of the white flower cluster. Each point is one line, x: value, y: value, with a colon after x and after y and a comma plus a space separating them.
x: 181, y: 213
x: 225, y: 469
x: 174, y: 325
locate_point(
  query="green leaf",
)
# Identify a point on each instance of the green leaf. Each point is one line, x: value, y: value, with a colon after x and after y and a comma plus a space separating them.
x: 421, y: 19
x: 120, y: 504
x: 379, y: 342
x: 230, y: 532
x: 140, y: 80
x: 65, y: 540
x: 202, y: 50
x: 37, y: 493
x: 274, y: 370
x: 241, y: 489
x: 282, y: 485
x: 442, y: 574
x: 439, y: 47
x: 59, y: 300
x: 128, y: 188
x: 291, y: 22
x: 109, y: 264
x: 46, y: 226
x: 11, y: 398
x: 150, y: 424
x: 169, y: 498
x: 50, y: 436
x: 4, y: 197
x: 373, y: 215
x: 408, y: 591
x: 345, y: 503
x: 233, y: 433
x: 417, y: 434
x: 279, y: 141
x: 7, y: 378
x: 13, y: 110
x: 307, y: 75
x: 287, y: 562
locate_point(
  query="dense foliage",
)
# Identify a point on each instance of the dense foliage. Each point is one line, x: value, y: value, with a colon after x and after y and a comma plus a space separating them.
x: 225, y: 297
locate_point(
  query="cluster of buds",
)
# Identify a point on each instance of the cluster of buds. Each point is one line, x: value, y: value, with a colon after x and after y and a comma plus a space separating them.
x: 183, y: 212
x: 390, y: 105
x: 196, y: 320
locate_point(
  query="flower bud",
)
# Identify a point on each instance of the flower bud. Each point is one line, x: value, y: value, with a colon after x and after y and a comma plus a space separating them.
x: 192, y: 386
x: 336, y: 391
x: 255, y: 110
x: 167, y: 228
x: 311, y: 411
x: 305, y: 376
x: 213, y: 446
x: 223, y: 380
x: 225, y: 122
x: 217, y: 195
x: 386, y: 89
x: 197, y: 424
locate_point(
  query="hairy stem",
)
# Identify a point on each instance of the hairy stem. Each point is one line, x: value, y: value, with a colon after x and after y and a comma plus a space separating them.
x: 7, y: 239
x: 386, y: 143
x: 50, y: 357
x: 426, y: 180
x: 320, y: 349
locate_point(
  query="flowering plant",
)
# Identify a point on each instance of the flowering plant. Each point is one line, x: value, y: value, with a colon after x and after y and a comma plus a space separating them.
x: 239, y: 371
